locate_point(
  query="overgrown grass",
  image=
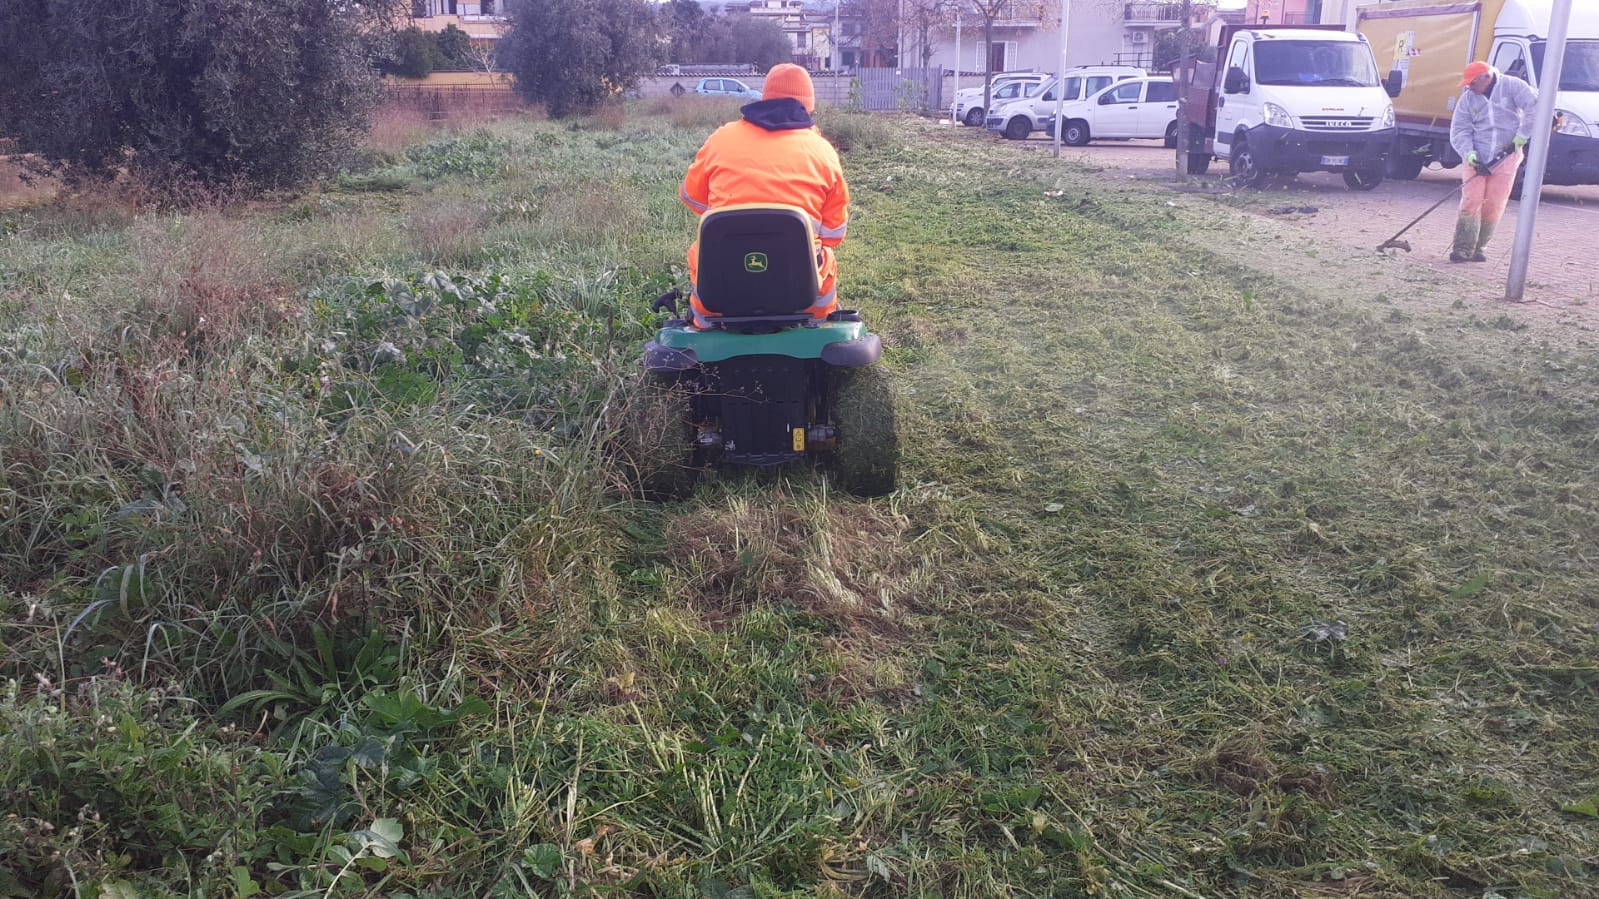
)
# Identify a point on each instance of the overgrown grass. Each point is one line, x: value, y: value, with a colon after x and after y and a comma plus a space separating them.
x: 317, y: 575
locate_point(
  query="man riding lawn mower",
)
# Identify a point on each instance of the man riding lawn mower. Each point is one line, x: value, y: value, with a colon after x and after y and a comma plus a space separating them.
x: 766, y: 369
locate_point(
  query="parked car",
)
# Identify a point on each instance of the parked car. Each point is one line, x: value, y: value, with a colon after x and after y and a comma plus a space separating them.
x: 1006, y: 87
x: 1022, y: 117
x: 726, y: 87
x: 1138, y: 107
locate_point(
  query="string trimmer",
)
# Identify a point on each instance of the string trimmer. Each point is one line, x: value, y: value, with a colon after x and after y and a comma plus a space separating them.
x: 1483, y: 168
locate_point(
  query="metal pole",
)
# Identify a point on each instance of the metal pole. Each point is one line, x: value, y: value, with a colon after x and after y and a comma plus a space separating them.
x: 838, y: 44
x: 899, y: 38
x: 1554, y: 59
x: 1060, y: 77
x: 953, y: 100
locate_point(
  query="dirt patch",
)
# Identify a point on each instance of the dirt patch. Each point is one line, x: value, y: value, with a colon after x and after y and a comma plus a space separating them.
x: 18, y: 191
x: 1328, y: 242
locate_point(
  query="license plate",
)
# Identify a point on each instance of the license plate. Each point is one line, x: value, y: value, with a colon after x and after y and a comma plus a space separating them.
x: 1335, y: 160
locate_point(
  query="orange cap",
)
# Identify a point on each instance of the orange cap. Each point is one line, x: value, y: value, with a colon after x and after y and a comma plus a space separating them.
x: 789, y: 80
x: 1474, y: 71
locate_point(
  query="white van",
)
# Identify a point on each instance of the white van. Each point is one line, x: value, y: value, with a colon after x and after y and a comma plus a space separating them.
x: 1022, y: 117
x: 1136, y: 108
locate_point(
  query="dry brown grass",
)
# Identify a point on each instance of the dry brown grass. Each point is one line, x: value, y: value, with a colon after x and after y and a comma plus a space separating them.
x: 589, y: 212
x: 394, y: 127
x: 844, y: 562
x: 450, y: 233
x: 17, y: 191
x: 202, y: 280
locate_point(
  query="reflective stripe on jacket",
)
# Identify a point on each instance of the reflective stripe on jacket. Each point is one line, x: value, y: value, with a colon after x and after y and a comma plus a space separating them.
x: 1486, y: 123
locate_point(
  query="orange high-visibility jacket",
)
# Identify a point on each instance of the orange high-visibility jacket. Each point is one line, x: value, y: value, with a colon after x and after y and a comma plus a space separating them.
x: 773, y: 155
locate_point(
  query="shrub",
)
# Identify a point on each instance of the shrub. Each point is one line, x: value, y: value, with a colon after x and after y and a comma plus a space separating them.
x: 572, y: 55
x: 267, y: 93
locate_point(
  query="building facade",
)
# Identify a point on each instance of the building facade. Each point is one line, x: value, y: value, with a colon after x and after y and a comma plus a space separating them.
x: 1097, y: 33
x: 483, y: 20
x: 1286, y: 12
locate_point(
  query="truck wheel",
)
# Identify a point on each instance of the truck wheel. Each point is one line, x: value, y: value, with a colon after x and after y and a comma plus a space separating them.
x: 1363, y: 178
x: 867, y: 459
x: 1405, y: 168
x: 1076, y: 133
x: 1171, y: 136
x: 1243, y: 165
x: 1018, y: 128
x: 974, y: 116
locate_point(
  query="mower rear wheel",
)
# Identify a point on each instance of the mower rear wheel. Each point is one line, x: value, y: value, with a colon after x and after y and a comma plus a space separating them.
x: 867, y: 458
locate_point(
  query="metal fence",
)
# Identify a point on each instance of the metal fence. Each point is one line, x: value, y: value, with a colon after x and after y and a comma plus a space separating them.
x: 907, y: 90
x: 439, y: 101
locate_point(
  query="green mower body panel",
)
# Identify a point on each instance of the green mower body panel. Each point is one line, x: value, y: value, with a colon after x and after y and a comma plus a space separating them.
x: 797, y: 343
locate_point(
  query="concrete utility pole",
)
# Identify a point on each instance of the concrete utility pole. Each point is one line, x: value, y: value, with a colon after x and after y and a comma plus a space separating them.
x: 838, y: 43
x: 952, y: 100
x: 1185, y: 63
x: 899, y: 38
x: 1060, y: 88
x: 1554, y: 59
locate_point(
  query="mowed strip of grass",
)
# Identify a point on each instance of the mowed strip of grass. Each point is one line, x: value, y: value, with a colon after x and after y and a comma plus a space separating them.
x: 1287, y: 588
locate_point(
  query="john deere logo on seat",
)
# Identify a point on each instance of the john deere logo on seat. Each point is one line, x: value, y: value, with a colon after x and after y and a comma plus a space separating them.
x: 755, y: 262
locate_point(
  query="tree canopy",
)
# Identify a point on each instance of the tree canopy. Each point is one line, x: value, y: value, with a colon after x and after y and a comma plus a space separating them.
x: 259, y: 93
x: 572, y: 55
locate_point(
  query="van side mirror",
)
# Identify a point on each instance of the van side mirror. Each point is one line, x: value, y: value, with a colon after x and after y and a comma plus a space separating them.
x: 1394, y: 83
x: 1107, y: 98
x: 1236, y: 81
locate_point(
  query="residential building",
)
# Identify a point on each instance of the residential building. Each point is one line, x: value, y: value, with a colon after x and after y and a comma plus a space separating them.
x: 483, y: 21
x: 1097, y: 33
x: 809, y: 32
x: 1286, y: 12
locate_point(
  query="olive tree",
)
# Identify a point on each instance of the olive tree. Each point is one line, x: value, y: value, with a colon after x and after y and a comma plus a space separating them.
x: 572, y: 55
x: 254, y: 93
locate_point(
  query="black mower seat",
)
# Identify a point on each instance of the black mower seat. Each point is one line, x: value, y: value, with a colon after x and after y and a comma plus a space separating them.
x: 757, y: 261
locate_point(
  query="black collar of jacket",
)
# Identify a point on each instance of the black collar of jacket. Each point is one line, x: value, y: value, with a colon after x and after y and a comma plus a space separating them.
x: 778, y: 114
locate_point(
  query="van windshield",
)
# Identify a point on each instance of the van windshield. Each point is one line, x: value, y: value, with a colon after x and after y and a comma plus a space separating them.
x: 1329, y: 63
x: 1580, y: 69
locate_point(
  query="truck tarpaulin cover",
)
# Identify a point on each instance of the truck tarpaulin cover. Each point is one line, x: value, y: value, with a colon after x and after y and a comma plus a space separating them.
x: 1431, y: 54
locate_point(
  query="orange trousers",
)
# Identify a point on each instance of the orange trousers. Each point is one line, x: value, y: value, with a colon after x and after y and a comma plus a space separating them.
x: 1483, y: 199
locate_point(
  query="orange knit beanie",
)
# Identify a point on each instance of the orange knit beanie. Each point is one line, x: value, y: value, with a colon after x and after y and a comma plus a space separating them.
x: 789, y: 80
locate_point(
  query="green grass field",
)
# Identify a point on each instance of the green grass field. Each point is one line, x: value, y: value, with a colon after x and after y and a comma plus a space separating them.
x: 317, y: 577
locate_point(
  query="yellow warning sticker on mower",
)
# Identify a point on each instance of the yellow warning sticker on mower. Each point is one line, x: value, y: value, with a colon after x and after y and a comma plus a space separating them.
x: 799, y: 440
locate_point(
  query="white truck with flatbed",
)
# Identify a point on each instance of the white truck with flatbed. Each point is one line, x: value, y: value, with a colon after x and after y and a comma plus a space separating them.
x: 1282, y: 100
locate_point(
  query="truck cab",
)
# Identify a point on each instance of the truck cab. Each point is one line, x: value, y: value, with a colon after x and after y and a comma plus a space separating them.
x: 1288, y: 100
x: 1520, y: 42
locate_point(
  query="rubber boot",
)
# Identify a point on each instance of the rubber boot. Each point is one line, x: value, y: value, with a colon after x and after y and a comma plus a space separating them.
x: 1485, y: 232
x: 1468, y: 229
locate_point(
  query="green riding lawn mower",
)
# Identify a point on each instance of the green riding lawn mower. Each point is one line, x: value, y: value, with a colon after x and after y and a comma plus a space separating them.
x: 763, y: 382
